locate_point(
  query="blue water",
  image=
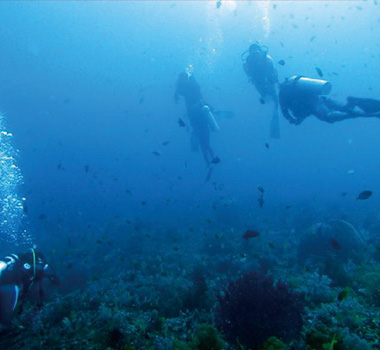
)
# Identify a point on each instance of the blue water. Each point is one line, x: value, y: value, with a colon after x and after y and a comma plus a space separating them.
x: 92, y: 83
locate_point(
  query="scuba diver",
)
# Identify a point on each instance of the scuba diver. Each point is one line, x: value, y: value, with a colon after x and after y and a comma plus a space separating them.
x: 20, y: 276
x: 200, y: 115
x: 259, y: 66
x: 301, y: 97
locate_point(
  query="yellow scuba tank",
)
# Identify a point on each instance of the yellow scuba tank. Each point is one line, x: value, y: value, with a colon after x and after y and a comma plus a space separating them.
x: 314, y: 86
x: 210, y: 118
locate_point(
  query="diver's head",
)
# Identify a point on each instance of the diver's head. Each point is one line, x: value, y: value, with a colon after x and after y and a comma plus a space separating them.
x: 182, y: 81
x: 256, y: 50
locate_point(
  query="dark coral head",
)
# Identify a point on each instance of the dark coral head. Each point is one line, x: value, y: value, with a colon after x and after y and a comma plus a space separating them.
x: 254, y: 308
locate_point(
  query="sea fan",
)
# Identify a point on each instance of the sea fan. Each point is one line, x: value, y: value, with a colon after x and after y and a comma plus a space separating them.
x: 254, y: 308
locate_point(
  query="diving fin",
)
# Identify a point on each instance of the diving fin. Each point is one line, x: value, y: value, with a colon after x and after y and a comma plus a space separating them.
x: 275, y: 126
x: 209, y: 173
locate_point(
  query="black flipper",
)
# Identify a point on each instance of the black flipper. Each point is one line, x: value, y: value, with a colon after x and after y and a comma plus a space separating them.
x: 275, y: 126
x: 209, y: 173
x: 8, y: 301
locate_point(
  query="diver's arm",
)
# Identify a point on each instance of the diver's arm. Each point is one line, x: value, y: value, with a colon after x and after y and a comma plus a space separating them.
x: 289, y: 116
x: 249, y: 68
x: 50, y: 274
x: 176, y: 97
x: 284, y: 106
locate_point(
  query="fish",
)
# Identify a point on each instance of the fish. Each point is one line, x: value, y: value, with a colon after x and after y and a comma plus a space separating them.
x: 261, y: 189
x: 344, y: 294
x: 319, y: 71
x: 288, y: 207
x: 343, y: 194
x: 335, y: 244
x: 250, y: 234
x: 242, y: 256
x: 266, y: 145
x: 165, y: 143
x: 181, y: 123
x: 262, y: 101
x: 216, y: 160
x: 156, y: 153
x: 364, y: 195
x: 218, y: 4
x: 86, y: 168
x: 313, y: 37
x: 281, y: 62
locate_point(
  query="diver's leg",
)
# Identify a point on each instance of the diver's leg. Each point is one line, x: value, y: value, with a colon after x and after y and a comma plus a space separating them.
x: 337, y: 116
x: 262, y: 90
x: 367, y: 105
x: 333, y: 105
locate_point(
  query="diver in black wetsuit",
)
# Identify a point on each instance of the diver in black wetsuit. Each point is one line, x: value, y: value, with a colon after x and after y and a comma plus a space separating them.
x: 200, y: 115
x: 19, y: 274
x: 301, y: 97
x: 259, y: 66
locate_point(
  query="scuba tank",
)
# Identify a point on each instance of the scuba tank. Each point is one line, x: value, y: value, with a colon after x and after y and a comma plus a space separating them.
x: 314, y: 86
x: 213, y: 125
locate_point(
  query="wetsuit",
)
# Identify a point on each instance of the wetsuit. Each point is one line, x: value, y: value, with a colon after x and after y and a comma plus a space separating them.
x: 263, y: 75
x: 260, y: 68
